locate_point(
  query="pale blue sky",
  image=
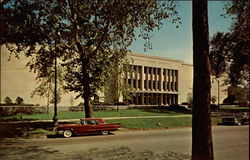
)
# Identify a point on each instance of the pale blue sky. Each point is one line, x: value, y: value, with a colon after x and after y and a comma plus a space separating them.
x: 176, y: 43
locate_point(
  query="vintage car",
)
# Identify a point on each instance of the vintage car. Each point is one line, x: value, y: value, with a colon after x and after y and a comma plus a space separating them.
x: 87, y: 126
x: 230, y: 120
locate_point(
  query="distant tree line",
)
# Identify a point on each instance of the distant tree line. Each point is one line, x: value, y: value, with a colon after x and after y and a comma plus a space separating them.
x: 18, y: 101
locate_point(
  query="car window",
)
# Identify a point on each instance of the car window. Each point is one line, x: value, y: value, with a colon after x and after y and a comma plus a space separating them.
x: 89, y: 122
x: 83, y: 122
x: 92, y: 122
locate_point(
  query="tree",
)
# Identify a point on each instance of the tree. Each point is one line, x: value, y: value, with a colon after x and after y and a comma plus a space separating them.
x: 19, y: 100
x: 213, y: 99
x: 190, y: 98
x: 202, y: 144
x: 7, y: 100
x: 229, y: 52
x: 94, y: 37
x: 230, y: 99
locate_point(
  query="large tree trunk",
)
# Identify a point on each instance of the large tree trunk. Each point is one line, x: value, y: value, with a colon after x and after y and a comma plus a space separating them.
x: 87, y: 105
x: 202, y: 144
x: 86, y: 89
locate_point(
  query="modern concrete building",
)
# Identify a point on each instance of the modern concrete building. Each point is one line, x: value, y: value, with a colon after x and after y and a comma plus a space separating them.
x: 154, y: 80
x: 158, y: 81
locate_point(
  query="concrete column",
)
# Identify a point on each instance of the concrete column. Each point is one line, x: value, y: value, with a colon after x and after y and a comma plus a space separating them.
x: 164, y: 80
x: 177, y: 81
x: 151, y: 78
x: 132, y: 76
x: 161, y: 79
x: 136, y: 78
x: 142, y: 78
x: 147, y: 73
x: 126, y: 77
x: 170, y: 99
x: 173, y: 80
x: 161, y: 98
x: 168, y: 80
x: 173, y: 99
x: 156, y: 79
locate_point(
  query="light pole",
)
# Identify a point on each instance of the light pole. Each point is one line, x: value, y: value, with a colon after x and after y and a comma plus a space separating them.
x: 55, y: 118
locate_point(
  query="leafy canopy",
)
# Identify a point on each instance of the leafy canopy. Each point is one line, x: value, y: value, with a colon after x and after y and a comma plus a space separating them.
x: 229, y: 52
x: 88, y: 36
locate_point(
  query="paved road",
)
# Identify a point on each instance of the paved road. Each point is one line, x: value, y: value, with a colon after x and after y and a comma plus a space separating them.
x: 230, y: 143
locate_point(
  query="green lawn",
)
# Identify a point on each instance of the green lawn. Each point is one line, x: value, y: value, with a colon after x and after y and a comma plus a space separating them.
x: 234, y: 108
x: 158, y: 123
x: 109, y: 113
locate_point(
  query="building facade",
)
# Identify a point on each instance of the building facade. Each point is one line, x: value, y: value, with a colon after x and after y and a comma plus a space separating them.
x: 153, y: 81
x: 156, y: 81
x: 159, y: 81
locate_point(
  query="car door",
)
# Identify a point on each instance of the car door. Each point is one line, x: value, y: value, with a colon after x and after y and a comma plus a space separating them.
x: 86, y: 126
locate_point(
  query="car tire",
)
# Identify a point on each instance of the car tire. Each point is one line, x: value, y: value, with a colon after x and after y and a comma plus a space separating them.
x: 67, y: 133
x: 105, y: 132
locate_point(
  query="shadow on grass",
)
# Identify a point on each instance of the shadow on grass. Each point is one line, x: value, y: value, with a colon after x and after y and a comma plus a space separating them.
x: 24, y: 129
x: 170, y: 111
x: 158, y: 111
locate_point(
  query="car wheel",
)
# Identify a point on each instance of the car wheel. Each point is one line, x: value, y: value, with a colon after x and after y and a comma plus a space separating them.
x: 105, y: 132
x: 67, y: 133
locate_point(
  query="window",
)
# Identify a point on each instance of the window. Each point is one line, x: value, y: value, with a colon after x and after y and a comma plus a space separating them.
x: 150, y: 70
x: 89, y: 122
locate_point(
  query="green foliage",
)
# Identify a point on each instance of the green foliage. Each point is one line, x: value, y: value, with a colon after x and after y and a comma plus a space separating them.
x: 107, y: 113
x: 7, y: 100
x: 229, y: 100
x: 154, y: 123
x: 229, y: 52
x: 213, y: 99
x: 45, y: 86
x: 190, y: 98
x: 89, y: 37
x: 19, y: 100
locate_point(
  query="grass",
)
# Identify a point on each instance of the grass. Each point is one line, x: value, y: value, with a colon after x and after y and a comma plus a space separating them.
x: 158, y: 123
x: 43, y: 128
x: 108, y: 113
x: 234, y: 108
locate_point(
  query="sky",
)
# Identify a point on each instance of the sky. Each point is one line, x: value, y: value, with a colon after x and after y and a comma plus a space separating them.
x: 176, y: 43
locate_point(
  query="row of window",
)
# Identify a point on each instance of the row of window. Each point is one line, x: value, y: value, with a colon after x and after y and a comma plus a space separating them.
x: 155, y: 71
x: 154, y: 99
x: 153, y: 85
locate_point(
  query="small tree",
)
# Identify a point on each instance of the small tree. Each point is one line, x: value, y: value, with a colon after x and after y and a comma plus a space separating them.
x: 230, y: 99
x: 7, y: 100
x: 190, y: 98
x: 213, y: 99
x: 19, y: 100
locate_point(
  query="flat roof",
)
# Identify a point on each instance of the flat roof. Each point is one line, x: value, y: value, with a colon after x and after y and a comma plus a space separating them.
x: 155, y: 57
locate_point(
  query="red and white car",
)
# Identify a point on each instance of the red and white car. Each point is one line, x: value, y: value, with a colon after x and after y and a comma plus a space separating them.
x: 87, y: 126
